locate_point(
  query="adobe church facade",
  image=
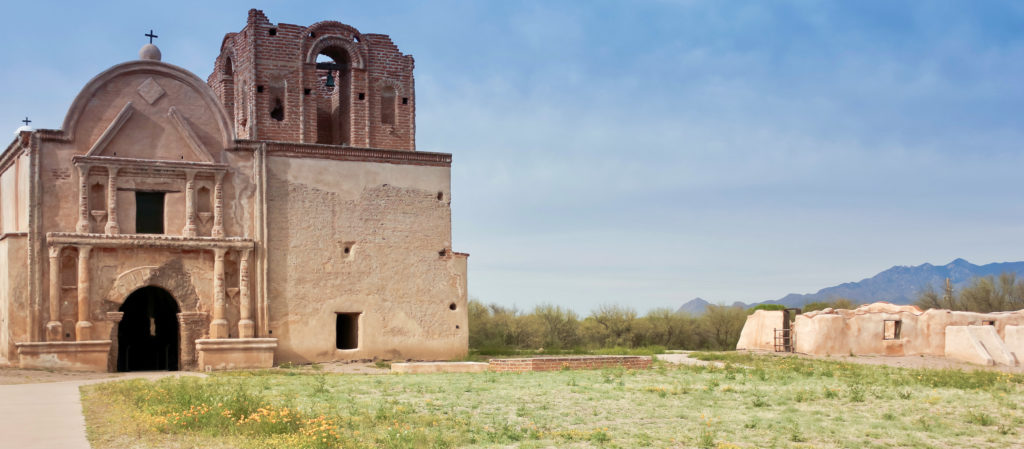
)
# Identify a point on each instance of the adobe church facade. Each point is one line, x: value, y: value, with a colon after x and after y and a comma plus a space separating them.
x: 277, y: 211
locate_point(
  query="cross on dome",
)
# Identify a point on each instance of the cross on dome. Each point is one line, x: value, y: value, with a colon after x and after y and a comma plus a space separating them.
x: 150, y: 35
x: 26, y: 121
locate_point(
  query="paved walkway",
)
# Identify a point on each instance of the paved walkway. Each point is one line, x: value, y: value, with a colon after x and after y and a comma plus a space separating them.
x: 49, y: 415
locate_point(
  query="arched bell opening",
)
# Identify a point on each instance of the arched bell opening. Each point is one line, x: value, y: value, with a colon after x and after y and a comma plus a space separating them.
x: 333, y: 99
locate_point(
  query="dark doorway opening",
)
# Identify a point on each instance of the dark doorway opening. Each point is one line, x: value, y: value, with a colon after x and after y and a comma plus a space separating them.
x: 147, y: 336
x: 346, y: 331
x: 149, y: 212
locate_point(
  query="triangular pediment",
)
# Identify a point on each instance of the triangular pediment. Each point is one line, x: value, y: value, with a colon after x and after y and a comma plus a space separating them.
x: 135, y: 135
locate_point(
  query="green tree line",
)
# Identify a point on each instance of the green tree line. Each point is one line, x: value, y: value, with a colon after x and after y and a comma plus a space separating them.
x: 495, y: 328
x: 983, y: 294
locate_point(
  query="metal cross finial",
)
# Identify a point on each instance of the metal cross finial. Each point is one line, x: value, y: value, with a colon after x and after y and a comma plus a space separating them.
x: 26, y: 121
x: 150, y: 35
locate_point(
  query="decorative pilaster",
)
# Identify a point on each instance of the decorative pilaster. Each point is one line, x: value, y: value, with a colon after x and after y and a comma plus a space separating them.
x: 54, y: 329
x: 218, y: 207
x: 83, y: 327
x: 115, y: 319
x: 192, y: 326
x: 83, y: 199
x: 219, y: 325
x: 112, y: 226
x: 190, y: 204
x: 246, y: 327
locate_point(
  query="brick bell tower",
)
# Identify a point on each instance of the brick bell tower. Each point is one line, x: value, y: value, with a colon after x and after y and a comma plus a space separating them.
x: 326, y: 83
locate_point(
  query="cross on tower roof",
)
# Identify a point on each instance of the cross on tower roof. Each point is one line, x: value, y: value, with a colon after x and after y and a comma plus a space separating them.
x: 26, y: 121
x: 150, y: 35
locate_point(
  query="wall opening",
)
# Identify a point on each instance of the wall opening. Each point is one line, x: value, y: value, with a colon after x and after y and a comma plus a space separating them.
x: 277, y: 112
x: 892, y: 329
x: 988, y: 323
x: 149, y: 212
x: 147, y: 336
x: 333, y: 121
x: 346, y: 330
x: 387, y: 105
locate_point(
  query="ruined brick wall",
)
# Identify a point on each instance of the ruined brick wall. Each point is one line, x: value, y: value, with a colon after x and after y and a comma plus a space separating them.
x: 275, y: 64
x: 569, y: 363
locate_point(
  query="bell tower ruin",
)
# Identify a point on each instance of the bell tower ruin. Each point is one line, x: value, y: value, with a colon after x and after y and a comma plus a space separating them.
x: 326, y: 83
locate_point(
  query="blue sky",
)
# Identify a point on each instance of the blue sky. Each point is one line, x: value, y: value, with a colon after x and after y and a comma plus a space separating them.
x: 646, y: 152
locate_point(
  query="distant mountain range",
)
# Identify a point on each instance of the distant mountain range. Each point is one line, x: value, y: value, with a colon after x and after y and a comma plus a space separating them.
x: 898, y: 285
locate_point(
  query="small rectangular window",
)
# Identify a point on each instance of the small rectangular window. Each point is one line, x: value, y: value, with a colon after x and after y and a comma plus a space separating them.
x: 892, y: 330
x: 988, y: 323
x: 149, y: 212
x: 346, y: 331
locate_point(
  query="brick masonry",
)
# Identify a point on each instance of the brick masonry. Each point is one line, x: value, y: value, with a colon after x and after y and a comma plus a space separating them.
x: 267, y: 64
x: 571, y: 363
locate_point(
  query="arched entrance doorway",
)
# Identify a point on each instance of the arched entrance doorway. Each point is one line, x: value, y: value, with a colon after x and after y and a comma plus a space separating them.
x: 147, y: 336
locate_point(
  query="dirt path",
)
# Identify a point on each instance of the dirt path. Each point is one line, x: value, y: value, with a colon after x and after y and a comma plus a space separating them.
x: 683, y: 358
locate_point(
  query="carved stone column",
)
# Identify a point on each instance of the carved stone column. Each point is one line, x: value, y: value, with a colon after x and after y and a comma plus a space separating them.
x: 54, y: 329
x: 219, y: 325
x: 246, y: 326
x: 83, y: 199
x: 112, y: 226
x: 190, y: 204
x: 83, y: 327
x: 218, y: 207
x: 115, y: 318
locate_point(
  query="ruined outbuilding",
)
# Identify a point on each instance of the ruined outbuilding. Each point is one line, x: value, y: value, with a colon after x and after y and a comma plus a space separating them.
x: 277, y: 211
x: 890, y: 330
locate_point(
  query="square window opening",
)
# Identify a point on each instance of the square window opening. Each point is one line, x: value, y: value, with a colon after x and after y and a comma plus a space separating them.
x: 892, y: 329
x: 149, y: 212
x: 346, y: 330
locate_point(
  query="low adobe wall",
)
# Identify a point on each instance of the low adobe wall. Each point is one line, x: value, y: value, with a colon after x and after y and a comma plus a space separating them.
x: 570, y: 363
x: 977, y: 344
x: 759, y: 330
x: 862, y: 331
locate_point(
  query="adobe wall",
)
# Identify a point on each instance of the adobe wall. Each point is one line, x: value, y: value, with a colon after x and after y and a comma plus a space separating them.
x: 759, y: 330
x: 14, y: 193
x: 13, y: 294
x: 399, y: 270
x: 861, y: 331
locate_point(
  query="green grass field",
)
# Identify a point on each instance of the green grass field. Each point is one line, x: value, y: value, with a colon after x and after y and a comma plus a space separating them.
x: 754, y: 401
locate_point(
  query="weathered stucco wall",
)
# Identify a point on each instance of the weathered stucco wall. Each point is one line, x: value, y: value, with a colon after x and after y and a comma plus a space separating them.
x: 14, y: 196
x: 369, y: 238
x: 759, y: 330
x: 13, y: 294
x: 863, y: 331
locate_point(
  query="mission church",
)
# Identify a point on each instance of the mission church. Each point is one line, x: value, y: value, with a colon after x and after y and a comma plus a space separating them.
x: 277, y: 211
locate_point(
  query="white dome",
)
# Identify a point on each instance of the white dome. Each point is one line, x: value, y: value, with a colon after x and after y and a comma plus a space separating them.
x: 22, y: 128
x: 149, y: 51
